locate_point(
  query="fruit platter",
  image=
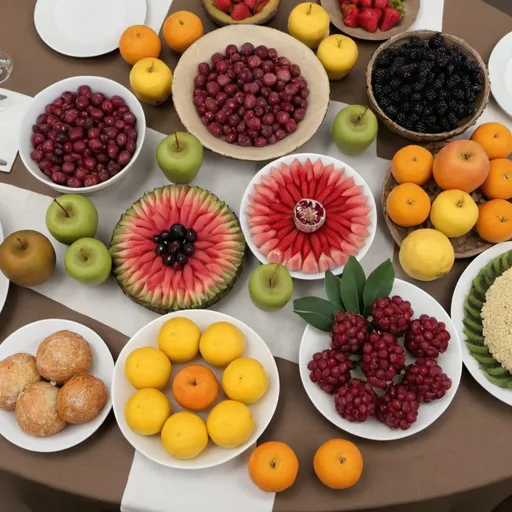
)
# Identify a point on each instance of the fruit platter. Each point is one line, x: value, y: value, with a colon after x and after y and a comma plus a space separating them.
x: 189, y: 375
x: 481, y: 294
x: 470, y: 207
x: 248, y: 96
x: 380, y: 358
x: 372, y: 20
x: 308, y: 213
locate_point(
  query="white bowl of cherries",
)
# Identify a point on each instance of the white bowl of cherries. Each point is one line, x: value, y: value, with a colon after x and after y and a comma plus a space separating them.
x: 82, y: 134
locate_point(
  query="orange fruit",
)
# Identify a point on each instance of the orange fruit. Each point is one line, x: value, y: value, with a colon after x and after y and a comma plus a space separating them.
x: 412, y: 164
x: 494, y: 222
x: 195, y: 387
x: 408, y: 205
x: 273, y: 466
x: 498, y: 184
x: 182, y: 29
x: 138, y: 42
x: 338, y: 464
x: 495, y: 138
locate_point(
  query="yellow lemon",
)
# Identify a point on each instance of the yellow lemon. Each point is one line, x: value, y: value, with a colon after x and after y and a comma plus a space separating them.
x: 221, y: 343
x: 184, y: 435
x: 179, y: 339
x: 426, y: 255
x: 230, y: 424
x: 147, y: 367
x: 146, y: 411
x: 245, y: 380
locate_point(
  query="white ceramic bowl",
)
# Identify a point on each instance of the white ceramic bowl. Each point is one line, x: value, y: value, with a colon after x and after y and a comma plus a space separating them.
x: 314, y: 341
x: 98, y: 84
x: 151, y: 446
x: 326, y: 160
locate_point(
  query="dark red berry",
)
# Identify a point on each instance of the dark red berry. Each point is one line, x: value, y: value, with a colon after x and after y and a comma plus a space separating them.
x: 349, y: 332
x: 398, y: 407
x: 355, y: 401
x: 426, y: 378
x: 426, y: 337
x: 330, y: 370
x: 391, y: 314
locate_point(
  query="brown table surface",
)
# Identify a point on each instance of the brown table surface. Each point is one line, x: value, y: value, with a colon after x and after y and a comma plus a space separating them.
x: 466, y: 449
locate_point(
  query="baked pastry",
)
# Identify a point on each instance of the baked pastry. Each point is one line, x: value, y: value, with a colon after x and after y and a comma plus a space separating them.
x: 16, y: 373
x: 81, y: 399
x: 36, y: 410
x: 63, y: 355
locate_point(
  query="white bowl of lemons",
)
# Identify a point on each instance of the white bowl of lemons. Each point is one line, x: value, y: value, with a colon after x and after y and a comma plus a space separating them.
x: 194, y: 389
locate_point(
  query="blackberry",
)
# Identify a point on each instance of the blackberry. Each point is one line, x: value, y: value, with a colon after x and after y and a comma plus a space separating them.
x: 391, y: 111
x: 384, y: 102
x: 386, y: 90
x: 401, y: 119
x: 441, y: 107
x: 428, y: 110
x: 407, y: 124
x: 453, y: 120
x: 443, y: 61
x: 451, y: 105
x: 416, y: 97
x: 478, y: 77
x: 470, y: 109
x: 444, y: 124
x: 456, y: 57
x: 436, y: 41
x: 406, y: 91
x: 384, y: 59
x: 431, y: 123
x: 413, y: 118
x: 466, y: 82
x: 395, y: 83
x: 431, y: 55
x: 421, y: 128
x: 377, y: 89
x: 380, y: 75
x: 416, y: 42
x: 419, y: 85
x: 414, y: 55
x: 458, y: 94
x: 406, y: 106
x: 453, y: 81
x: 426, y: 65
x: 450, y: 69
x: 460, y: 110
x: 398, y: 62
x: 442, y: 94
x: 477, y: 87
x: 471, y: 65
x: 439, y: 82
x: 395, y: 97
x: 406, y: 72
x: 431, y: 78
x: 418, y: 109
x: 470, y: 96
x: 393, y: 70
x: 430, y: 94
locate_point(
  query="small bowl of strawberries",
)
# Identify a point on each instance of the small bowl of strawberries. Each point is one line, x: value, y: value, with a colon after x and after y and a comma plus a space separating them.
x: 236, y: 12
x: 372, y: 20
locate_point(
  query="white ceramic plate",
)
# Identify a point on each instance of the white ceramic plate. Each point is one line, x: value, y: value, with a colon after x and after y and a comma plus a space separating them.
x: 326, y: 160
x: 27, y: 339
x: 151, y: 446
x: 4, y: 282
x: 86, y: 28
x: 314, y: 341
x: 500, y: 73
x: 457, y: 312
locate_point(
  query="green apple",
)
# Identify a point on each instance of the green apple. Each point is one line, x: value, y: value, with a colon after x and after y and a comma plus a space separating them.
x: 270, y: 287
x: 88, y: 261
x: 180, y: 157
x: 354, y: 129
x: 71, y: 217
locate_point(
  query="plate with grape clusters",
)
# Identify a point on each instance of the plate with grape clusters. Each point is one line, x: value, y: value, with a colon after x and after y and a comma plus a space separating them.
x: 380, y: 358
x: 481, y: 312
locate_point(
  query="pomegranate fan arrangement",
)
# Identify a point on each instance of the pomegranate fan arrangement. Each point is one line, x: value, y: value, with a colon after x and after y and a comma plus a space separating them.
x: 393, y: 362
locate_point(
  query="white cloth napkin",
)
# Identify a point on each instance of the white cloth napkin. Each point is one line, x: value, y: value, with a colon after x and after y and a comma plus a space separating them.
x: 12, y: 109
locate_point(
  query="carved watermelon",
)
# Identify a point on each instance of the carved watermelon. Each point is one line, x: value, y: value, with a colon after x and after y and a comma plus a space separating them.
x: 210, y: 272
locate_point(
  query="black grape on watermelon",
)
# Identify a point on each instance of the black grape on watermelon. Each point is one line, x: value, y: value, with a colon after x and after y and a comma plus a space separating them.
x: 308, y: 216
x: 210, y: 272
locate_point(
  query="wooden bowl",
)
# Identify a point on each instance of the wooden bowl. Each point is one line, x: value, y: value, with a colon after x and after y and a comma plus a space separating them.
x: 464, y: 124
x: 286, y: 46
x: 333, y: 8
x: 222, y: 19
x: 465, y: 246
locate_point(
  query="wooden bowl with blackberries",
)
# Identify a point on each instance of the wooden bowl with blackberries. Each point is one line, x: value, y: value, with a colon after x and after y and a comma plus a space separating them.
x: 427, y: 86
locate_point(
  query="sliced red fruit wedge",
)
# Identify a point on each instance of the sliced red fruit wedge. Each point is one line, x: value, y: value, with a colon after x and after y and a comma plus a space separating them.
x: 298, y: 243
x: 306, y: 247
x: 353, y: 191
x: 356, y: 200
x: 256, y: 220
x: 324, y: 243
x: 262, y: 190
x: 285, y: 222
x: 295, y: 262
x: 281, y: 233
x: 286, y: 198
x: 270, y: 182
x: 316, y: 244
x: 318, y: 168
x: 340, y: 230
x: 309, y: 264
x: 269, y: 245
x: 258, y: 209
x: 359, y: 229
x: 278, y: 177
x: 339, y: 257
x: 260, y: 238
x: 325, y: 263
x: 348, y: 248
x: 364, y: 221
x: 275, y: 256
x: 331, y: 195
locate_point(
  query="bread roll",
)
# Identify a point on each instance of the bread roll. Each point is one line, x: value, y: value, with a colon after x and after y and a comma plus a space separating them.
x: 16, y: 373
x: 81, y: 399
x: 36, y: 410
x: 63, y: 355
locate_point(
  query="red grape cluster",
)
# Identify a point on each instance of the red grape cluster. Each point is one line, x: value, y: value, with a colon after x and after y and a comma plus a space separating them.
x: 84, y: 138
x: 250, y: 96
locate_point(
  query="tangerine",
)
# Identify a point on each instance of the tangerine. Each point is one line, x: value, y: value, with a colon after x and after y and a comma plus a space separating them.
x: 408, y: 205
x: 495, y: 138
x: 138, y: 42
x: 181, y: 30
x: 273, y: 466
x: 195, y: 387
x: 494, y: 222
x: 498, y: 184
x: 338, y: 464
x: 412, y: 164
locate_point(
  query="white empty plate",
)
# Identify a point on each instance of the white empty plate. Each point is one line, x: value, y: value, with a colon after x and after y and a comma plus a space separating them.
x: 500, y: 73
x: 4, y: 282
x: 314, y: 341
x: 27, y: 340
x: 86, y: 28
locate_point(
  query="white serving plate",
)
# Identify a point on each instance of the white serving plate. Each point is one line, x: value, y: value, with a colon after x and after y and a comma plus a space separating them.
x: 326, y: 160
x: 457, y: 312
x: 314, y: 341
x: 86, y: 28
x: 151, y: 446
x: 500, y: 73
x: 4, y: 282
x: 27, y: 339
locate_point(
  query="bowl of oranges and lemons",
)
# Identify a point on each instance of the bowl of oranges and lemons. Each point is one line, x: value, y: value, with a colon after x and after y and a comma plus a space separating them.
x: 194, y: 389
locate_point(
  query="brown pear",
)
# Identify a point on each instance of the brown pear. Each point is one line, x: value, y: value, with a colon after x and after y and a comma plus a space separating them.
x: 27, y: 258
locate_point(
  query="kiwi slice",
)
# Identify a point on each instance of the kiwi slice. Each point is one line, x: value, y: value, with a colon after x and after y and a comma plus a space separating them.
x: 504, y: 381
x: 471, y: 311
x: 480, y: 285
x: 486, y: 360
x: 474, y: 325
x: 475, y: 302
x: 477, y: 349
x: 497, y: 371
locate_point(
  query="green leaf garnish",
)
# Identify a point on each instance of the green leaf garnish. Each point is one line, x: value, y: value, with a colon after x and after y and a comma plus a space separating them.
x: 352, y: 285
x: 379, y: 284
x: 315, y: 311
x: 332, y: 289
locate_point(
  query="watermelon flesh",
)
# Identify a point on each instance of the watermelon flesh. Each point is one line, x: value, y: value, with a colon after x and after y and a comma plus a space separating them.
x: 270, y: 216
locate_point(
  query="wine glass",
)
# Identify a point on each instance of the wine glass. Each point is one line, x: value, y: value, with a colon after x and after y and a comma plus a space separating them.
x: 6, y: 65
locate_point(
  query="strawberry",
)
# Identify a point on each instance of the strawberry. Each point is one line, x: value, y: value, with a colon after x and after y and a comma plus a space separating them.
x: 380, y: 4
x: 223, y: 5
x: 350, y: 18
x: 251, y: 4
x: 365, y: 3
x: 259, y: 5
x: 390, y: 18
x: 368, y: 19
x: 240, y: 12
x: 348, y: 9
